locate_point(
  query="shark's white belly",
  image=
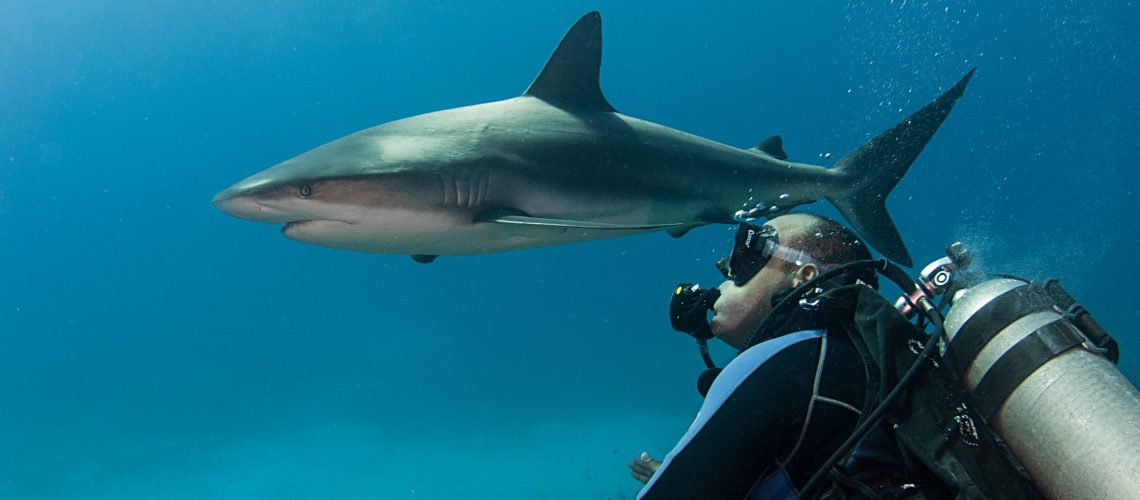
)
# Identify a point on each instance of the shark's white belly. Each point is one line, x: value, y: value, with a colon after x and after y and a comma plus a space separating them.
x: 456, y: 230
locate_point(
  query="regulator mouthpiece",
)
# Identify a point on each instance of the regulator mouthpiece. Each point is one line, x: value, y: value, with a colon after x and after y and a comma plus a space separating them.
x: 689, y: 309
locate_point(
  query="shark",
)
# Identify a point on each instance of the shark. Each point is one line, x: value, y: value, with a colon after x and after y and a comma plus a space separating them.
x: 559, y: 165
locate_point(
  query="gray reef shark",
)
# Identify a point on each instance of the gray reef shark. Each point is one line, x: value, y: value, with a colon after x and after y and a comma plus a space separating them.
x: 559, y: 165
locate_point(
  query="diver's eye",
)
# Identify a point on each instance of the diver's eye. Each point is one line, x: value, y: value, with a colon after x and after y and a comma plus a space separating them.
x: 305, y: 190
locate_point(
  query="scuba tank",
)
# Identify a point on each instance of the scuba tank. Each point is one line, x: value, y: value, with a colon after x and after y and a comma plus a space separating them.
x: 1041, y: 372
x: 1036, y: 369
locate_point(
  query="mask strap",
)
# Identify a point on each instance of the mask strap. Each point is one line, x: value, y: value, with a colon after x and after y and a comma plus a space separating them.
x: 795, y: 256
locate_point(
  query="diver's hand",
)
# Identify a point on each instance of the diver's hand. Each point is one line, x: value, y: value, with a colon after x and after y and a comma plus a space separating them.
x: 643, y: 466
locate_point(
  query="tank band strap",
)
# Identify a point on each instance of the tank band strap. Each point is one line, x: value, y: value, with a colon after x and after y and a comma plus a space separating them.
x: 1020, y: 361
x: 1084, y: 321
x: 990, y: 319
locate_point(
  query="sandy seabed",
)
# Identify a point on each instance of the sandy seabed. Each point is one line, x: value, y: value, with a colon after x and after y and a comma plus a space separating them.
x: 565, y: 459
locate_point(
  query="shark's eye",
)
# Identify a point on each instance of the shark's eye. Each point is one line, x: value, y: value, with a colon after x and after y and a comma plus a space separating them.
x: 305, y: 190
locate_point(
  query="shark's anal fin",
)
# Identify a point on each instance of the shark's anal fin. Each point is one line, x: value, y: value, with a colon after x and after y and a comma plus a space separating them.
x: 425, y: 259
x: 678, y: 232
x: 773, y: 146
x: 526, y: 220
x: 570, y: 78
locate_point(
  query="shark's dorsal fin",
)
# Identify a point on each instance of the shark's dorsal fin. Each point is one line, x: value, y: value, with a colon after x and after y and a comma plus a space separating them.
x: 774, y: 146
x: 570, y: 78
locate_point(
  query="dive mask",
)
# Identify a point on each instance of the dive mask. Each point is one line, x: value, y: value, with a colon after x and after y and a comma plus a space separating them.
x: 754, y: 247
x: 751, y: 252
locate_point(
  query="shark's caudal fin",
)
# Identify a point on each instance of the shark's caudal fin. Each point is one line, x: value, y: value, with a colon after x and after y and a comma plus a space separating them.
x: 873, y: 169
x: 570, y: 78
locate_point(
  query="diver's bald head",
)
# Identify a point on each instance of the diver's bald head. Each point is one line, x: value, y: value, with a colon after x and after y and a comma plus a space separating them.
x: 824, y: 239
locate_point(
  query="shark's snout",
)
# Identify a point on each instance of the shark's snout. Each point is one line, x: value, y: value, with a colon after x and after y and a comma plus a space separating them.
x: 239, y: 202
x: 237, y: 205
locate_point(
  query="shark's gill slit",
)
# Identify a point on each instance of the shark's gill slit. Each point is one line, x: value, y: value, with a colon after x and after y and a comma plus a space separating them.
x: 446, y: 184
x: 484, y: 181
x: 460, y: 188
x: 473, y: 190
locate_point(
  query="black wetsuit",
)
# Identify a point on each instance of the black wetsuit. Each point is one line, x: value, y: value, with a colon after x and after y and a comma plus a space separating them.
x: 770, y: 420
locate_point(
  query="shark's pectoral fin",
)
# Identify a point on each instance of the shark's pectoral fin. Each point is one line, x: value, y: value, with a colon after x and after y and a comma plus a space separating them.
x: 543, y: 222
x: 425, y: 259
x: 570, y: 78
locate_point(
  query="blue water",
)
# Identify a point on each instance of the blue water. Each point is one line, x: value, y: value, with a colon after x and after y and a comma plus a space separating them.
x: 152, y: 347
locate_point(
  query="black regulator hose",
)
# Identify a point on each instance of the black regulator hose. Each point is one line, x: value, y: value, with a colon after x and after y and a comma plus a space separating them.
x: 899, y: 277
x: 792, y: 299
x: 877, y: 415
x: 882, y: 266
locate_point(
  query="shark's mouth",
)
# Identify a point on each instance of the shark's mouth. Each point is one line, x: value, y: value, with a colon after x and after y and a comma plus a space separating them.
x: 308, y: 225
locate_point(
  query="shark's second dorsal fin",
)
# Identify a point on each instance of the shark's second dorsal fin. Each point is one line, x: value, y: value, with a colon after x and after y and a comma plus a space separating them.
x: 570, y: 78
x: 774, y: 146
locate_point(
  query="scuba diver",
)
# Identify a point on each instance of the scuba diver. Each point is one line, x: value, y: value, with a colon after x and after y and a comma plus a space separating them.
x: 837, y: 393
